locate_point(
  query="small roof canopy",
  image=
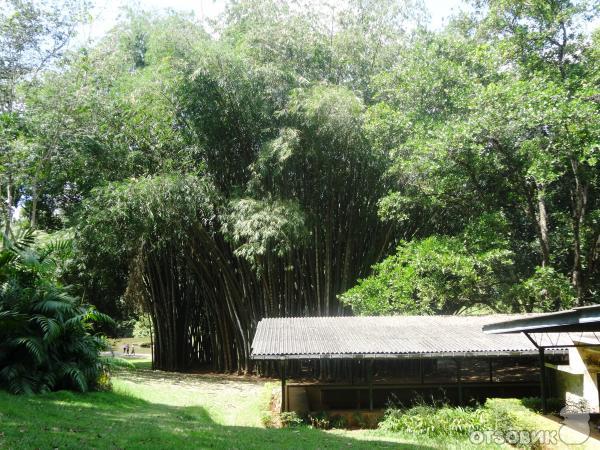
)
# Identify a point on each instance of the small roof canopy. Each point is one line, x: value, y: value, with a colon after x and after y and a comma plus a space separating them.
x: 584, y: 319
x: 384, y: 337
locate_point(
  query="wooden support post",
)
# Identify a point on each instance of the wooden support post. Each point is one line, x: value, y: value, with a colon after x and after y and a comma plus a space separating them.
x: 283, y: 387
x: 543, y: 380
x: 321, y: 398
x: 491, y: 362
x: 459, y: 381
x: 370, y: 375
x: 354, y: 368
x: 421, y: 374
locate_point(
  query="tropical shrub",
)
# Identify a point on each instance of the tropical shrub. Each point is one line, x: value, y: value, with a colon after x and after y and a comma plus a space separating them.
x: 46, y: 335
x: 290, y: 419
x: 435, y: 421
x: 458, y: 422
x: 339, y: 421
x: 286, y: 419
x: 268, y: 419
x: 436, y: 275
x: 320, y: 420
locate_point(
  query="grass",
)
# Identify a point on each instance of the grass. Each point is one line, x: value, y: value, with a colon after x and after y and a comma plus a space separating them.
x: 152, y: 410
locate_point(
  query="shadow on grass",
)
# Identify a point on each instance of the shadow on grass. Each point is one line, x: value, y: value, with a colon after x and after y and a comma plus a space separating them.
x: 113, y: 420
x: 144, y: 375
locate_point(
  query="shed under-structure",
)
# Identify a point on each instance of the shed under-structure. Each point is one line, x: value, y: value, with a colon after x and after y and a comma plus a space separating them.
x: 578, y: 330
x: 395, y: 358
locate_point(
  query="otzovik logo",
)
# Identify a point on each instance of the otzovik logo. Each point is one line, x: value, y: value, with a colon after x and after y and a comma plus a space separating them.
x: 574, y: 430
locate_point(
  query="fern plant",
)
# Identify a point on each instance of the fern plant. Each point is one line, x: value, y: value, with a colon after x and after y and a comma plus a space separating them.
x: 46, y: 335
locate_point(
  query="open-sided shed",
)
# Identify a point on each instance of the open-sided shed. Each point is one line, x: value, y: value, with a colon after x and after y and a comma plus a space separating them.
x: 376, y: 342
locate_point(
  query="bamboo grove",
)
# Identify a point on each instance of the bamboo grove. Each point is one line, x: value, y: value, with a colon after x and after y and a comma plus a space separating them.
x: 292, y: 159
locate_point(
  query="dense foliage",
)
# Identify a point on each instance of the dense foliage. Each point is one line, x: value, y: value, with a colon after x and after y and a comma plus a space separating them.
x: 213, y: 176
x: 501, y: 415
x: 46, y: 340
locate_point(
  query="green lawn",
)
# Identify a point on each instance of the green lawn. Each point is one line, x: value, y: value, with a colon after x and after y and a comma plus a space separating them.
x: 150, y: 410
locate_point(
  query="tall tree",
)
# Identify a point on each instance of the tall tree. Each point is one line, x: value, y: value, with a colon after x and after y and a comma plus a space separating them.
x: 33, y: 34
x: 213, y: 180
x: 501, y: 119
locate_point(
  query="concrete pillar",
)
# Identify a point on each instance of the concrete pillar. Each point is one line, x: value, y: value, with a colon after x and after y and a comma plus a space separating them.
x: 584, y: 393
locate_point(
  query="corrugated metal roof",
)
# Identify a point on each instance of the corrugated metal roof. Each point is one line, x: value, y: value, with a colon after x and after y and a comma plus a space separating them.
x: 383, y: 337
x: 582, y: 319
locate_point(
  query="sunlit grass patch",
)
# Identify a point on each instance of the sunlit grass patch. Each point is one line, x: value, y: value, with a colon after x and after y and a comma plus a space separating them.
x: 151, y: 410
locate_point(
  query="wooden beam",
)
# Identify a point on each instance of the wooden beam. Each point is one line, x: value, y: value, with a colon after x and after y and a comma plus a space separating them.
x: 485, y: 384
x: 543, y: 381
x: 459, y: 381
x: 370, y: 375
x: 283, y: 387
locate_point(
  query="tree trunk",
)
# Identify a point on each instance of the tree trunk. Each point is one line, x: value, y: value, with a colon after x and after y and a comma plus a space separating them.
x: 578, y: 207
x: 543, y: 225
x: 34, y: 202
x: 9, y: 206
x: 539, y: 216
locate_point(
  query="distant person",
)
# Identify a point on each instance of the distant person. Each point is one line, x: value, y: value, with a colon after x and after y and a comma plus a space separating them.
x: 127, y: 349
x: 124, y: 348
x: 133, y: 349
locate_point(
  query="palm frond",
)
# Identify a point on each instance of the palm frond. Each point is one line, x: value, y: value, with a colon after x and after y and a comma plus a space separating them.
x: 24, y: 239
x: 74, y: 374
x: 34, y: 347
x: 11, y: 320
x: 62, y: 247
x: 49, y: 325
x: 52, y: 306
x: 99, y: 318
x: 44, y: 331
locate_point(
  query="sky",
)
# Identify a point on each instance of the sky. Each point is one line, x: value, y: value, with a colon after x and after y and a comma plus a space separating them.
x: 105, y: 12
